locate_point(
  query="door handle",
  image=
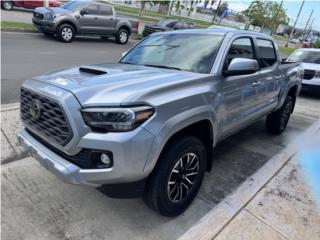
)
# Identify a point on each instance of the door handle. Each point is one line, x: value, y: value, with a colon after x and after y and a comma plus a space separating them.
x: 255, y: 84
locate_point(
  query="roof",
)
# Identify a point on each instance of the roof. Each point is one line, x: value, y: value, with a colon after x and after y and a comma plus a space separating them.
x: 216, y: 31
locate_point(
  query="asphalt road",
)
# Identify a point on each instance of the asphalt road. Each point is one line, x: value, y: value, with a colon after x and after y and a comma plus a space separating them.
x: 25, y: 55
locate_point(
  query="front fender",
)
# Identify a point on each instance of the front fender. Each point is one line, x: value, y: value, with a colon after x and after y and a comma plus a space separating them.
x: 176, y: 124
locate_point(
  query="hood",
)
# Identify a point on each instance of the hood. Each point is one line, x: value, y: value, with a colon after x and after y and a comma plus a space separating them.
x: 116, y: 84
x: 311, y: 66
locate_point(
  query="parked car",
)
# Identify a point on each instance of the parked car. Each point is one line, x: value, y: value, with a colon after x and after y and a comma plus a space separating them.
x: 148, y: 124
x: 166, y: 25
x: 84, y: 17
x: 310, y: 59
x: 8, y: 5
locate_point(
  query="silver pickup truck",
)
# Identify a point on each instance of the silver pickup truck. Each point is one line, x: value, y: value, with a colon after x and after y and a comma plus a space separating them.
x: 149, y: 123
x: 83, y: 18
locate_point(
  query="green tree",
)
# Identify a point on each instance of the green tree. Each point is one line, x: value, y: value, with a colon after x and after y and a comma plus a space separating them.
x: 266, y: 14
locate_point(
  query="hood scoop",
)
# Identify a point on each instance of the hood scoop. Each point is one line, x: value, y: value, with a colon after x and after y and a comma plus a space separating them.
x: 93, y: 70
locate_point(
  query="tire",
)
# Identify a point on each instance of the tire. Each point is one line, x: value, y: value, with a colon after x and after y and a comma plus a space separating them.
x: 7, y: 5
x: 122, y: 36
x: 277, y: 121
x: 66, y: 33
x: 171, y: 175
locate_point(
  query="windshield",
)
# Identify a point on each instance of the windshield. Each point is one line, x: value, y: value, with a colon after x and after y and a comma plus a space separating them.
x: 189, y: 52
x: 305, y: 56
x: 73, y: 5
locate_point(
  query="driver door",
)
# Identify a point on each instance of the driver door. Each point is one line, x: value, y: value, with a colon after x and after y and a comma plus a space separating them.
x: 239, y: 91
x: 88, y: 18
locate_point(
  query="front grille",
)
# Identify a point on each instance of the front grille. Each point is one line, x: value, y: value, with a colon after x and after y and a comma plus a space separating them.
x: 38, y: 15
x: 308, y: 74
x: 49, y: 121
x: 149, y: 30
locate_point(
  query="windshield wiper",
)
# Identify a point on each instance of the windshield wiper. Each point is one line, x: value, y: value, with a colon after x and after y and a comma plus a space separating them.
x: 161, y: 66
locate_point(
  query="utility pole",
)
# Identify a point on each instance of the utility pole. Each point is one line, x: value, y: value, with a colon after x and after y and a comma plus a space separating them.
x: 310, y: 26
x: 215, y: 15
x: 170, y: 8
x: 46, y: 3
x: 304, y: 31
x: 294, y: 25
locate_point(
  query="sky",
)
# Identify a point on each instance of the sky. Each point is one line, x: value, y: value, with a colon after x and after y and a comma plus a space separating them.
x: 292, y: 7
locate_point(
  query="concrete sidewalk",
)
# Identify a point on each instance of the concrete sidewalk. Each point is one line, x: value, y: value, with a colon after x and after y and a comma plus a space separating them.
x: 283, y: 206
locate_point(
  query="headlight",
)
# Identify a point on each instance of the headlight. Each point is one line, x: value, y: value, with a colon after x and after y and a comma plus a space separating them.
x: 116, y: 119
x: 49, y: 16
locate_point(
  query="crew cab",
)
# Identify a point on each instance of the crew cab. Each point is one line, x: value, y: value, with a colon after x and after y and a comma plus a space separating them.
x: 149, y: 123
x: 29, y: 4
x: 84, y: 18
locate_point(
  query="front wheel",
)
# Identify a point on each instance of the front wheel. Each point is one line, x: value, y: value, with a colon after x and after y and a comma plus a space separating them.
x: 122, y: 36
x: 277, y: 121
x: 66, y: 33
x: 6, y: 5
x: 175, y: 182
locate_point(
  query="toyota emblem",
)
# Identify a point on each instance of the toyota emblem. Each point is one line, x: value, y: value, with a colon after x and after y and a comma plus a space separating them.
x: 35, y: 109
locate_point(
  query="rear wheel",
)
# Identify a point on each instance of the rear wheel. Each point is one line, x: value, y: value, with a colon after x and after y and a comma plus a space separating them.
x: 277, y: 121
x: 6, y: 5
x: 66, y: 33
x: 177, y: 178
x: 122, y: 36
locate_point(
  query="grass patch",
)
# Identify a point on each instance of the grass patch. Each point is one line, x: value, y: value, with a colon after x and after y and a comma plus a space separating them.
x: 286, y: 51
x: 149, y: 16
x: 17, y: 25
x: 281, y: 38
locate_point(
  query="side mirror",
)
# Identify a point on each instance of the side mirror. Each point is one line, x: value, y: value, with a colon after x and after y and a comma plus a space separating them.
x: 84, y: 12
x: 242, y: 66
x: 123, y: 54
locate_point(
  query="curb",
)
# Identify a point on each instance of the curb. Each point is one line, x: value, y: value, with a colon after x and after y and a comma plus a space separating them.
x: 209, y: 226
x: 18, y: 30
x: 10, y: 107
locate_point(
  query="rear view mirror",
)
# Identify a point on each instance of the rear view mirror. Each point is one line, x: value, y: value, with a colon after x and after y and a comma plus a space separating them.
x: 242, y: 66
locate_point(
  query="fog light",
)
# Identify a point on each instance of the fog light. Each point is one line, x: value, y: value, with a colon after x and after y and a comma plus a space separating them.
x: 105, y: 159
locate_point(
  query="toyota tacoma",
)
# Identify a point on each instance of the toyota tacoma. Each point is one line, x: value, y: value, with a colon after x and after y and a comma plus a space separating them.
x: 148, y: 124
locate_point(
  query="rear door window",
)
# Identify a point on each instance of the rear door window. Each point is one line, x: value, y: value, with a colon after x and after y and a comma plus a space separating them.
x: 267, y: 53
x: 105, y: 10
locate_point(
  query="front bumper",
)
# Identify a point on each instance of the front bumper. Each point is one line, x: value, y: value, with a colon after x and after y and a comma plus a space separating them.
x: 312, y: 86
x: 44, y: 25
x: 129, y: 158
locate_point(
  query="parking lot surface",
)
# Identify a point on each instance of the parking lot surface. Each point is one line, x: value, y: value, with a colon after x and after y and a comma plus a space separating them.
x: 46, y: 208
x: 25, y: 55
